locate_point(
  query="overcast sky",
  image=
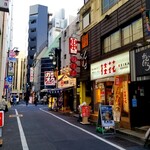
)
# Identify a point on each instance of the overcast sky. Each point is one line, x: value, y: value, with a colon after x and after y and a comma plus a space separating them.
x: 21, y: 14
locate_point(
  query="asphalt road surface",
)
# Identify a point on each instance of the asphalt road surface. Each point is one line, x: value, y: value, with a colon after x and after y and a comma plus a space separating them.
x: 36, y: 128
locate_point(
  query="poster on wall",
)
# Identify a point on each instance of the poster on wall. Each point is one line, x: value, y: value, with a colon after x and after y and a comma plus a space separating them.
x: 10, y: 68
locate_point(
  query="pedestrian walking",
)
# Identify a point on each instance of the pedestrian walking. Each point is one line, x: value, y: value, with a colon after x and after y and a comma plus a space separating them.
x: 14, y: 100
x: 45, y: 99
x: 3, y: 104
x: 35, y: 100
x: 26, y: 98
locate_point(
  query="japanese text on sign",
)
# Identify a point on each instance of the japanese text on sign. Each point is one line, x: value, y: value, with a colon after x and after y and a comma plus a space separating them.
x: 49, y: 78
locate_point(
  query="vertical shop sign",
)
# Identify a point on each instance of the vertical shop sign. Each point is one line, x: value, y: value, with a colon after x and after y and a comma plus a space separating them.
x: 31, y: 74
x: 85, y: 40
x: 73, y: 45
x: 84, y: 57
x: 49, y: 79
x: 125, y: 108
x: 73, y: 49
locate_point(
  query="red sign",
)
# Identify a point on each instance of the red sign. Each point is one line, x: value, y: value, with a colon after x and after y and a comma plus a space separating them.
x: 73, y: 45
x: 73, y: 59
x: 85, y: 111
x: 1, y: 118
x: 73, y: 73
x: 73, y: 66
x: 49, y: 78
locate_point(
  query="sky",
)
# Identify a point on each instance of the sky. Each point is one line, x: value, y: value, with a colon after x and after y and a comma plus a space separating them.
x: 21, y: 16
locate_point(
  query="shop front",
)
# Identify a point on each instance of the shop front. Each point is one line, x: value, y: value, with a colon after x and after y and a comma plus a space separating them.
x: 110, y: 83
x: 68, y: 86
x: 140, y: 85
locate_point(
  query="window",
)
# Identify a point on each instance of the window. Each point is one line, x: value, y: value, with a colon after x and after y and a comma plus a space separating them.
x: 33, y: 39
x: 65, y: 56
x: 137, y: 29
x: 115, y: 40
x: 132, y: 32
x: 85, y: 1
x: 107, y: 44
x: 31, y: 57
x: 33, y: 30
x: 112, y: 42
x: 33, y: 48
x: 33, y: 21
x: 65, y: 33
x: 107, y: 4
x: 86, y: 19
x: 128, y: 34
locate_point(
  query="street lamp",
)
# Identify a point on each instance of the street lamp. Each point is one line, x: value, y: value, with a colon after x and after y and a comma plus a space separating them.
x: 54, y: 60
x: 54, y: 56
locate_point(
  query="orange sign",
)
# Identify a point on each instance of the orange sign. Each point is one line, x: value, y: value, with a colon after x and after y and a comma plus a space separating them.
x: 85, y: 40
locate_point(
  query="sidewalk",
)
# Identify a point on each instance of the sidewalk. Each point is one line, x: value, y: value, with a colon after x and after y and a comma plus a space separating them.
x: 138, y: 135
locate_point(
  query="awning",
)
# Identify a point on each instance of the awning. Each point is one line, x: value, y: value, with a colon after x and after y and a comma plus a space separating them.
x: 52, y: 91
x: 55, y: 91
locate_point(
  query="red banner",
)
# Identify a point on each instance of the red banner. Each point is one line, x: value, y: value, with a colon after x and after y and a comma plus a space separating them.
x: 1, y: 118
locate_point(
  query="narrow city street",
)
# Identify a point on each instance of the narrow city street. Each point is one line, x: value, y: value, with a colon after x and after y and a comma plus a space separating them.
x: 36, y: 128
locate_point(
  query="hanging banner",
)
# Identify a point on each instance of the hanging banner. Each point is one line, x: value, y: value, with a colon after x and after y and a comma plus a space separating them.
x: 31, y: 74
x: 10, y: 68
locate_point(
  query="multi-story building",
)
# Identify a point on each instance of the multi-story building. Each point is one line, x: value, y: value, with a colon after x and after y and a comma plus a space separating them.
x: 5, y: 41
x: 41, y: 59
x: 110, y: 30
x: 68, y: 80
x: 38, y: 34
x: 18, y: 83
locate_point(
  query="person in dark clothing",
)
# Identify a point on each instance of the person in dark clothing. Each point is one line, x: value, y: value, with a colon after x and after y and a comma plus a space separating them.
x: 26, y: 98
x: 35, y: 100
x: 14, y: 100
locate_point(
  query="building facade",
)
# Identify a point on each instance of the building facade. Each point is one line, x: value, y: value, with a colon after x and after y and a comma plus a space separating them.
x: 5, y: 41
x: 38, y: 34
x: 107, y: 42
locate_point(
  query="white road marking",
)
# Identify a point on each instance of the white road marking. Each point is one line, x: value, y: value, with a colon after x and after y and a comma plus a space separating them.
x: 22, y: 136
x: 110, y: 143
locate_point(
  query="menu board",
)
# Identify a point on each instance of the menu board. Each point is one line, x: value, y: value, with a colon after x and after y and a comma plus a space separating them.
x: 106, y: 113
